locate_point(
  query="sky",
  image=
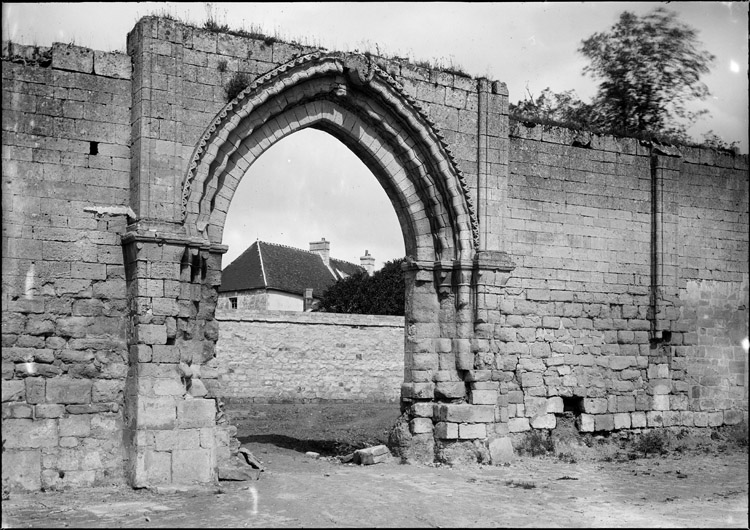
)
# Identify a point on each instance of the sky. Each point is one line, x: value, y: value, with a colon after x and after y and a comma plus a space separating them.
x: 310, y: 186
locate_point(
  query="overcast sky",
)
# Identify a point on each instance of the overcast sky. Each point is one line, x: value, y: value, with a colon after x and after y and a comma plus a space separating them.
x: 309, y: 185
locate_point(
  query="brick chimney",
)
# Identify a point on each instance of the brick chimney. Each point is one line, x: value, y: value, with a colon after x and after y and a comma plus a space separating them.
x: 367, y: 262
x: 323, y: 248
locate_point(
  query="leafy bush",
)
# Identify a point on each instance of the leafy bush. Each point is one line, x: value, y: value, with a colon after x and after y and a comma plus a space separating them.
x: 652, y: 442
x: 535, y: 444
x: 236, y: 84
x: 379, y: 294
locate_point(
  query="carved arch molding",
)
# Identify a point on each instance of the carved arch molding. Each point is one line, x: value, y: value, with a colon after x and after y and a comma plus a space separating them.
x: 352, y: 98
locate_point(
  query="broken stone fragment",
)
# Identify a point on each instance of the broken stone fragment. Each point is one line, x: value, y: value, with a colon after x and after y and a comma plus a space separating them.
x: 372, y: 455
x: 250, y: 459
x: 312, y: 454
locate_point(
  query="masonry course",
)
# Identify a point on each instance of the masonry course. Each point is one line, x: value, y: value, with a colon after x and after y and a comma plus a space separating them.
x: 550, y: 269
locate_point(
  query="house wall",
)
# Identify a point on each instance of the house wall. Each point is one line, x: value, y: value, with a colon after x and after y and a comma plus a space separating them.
x: 261, y: 300
x: 284, y: 357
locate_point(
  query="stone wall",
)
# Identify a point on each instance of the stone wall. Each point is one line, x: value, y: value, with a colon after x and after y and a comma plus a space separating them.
x: 66, y: 166
x: 287, y: 357
x: 626, y: 299
x: 630, y: 329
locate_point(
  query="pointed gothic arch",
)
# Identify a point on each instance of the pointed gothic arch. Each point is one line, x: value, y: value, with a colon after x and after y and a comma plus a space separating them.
x: 357, y: 102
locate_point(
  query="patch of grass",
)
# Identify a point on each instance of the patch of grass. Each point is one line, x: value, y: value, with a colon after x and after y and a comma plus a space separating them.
x: 658, y: 138
x: 653, y: 442
x: 568, y: 458
x: 520, y: 484
x: 536, y: 443
x: 239, y: 82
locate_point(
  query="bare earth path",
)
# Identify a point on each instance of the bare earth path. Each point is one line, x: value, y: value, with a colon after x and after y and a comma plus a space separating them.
x: 691, y: 489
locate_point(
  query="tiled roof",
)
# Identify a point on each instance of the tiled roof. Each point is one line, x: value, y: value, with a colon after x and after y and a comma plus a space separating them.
x: 288, y: 269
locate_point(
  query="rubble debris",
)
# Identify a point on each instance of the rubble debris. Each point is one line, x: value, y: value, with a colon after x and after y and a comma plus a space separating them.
x: 312, y: 454
x: 250, y: 459
x: 372, y: 455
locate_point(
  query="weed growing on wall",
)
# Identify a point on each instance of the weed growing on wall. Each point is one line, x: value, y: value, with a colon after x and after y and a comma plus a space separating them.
x: 236, y: 84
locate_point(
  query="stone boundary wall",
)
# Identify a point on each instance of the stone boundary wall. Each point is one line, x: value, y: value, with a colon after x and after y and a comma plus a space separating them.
x: 65, y: 191
x: 628, y: 302
x: 590, y: 277
x: 295, y: 357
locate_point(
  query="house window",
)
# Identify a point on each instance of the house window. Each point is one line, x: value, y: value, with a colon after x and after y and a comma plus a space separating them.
x: 233, y: 302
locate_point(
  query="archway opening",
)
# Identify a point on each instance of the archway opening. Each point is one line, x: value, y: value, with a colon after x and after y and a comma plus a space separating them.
x: 308, y: 207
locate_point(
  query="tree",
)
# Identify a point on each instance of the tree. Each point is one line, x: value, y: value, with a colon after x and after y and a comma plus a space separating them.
x: 563, y: 108
x: 379, y: 294
x: 650, y: 66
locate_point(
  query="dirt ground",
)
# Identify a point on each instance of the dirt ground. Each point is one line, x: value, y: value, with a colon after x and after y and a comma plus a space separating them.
x: 581, y: 482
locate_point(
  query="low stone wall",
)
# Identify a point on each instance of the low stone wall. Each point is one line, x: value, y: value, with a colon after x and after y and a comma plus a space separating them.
x: 290, y: 357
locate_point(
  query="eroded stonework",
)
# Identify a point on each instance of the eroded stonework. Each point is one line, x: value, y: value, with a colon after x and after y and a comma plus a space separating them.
x: 547, y: 270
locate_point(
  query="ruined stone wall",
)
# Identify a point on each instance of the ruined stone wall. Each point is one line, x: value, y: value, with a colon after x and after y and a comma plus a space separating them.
x: 65, y: 187
x: 579, y: 308
x: 286, y: 357
x: 628, y: 302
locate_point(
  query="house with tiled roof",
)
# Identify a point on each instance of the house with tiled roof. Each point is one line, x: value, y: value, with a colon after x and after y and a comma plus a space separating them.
x: 268, y: 276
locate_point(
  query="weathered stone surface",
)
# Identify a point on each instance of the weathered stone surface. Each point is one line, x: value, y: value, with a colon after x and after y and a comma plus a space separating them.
x: 372, y: 455
x: 22, y: 468
x: 501, y: 451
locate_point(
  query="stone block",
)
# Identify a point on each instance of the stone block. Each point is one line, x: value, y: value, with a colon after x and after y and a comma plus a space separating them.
x: 73, y: 58
x: 483, y: 397
x: 177, y: 439
x: 461, y: 413
x: 450, y: 389
x: 515, y: 396
x: 29, y: 434
x: 193, y: 413
x: 152, y: 333
x: 156, y: 413
x: 421, y: 425
x: 595, y: 405
x: 625, y: 403
x: 660, y: 402
x: 501, y: 451
x: 68, y: 391
x: 544, y: 421
x: 79, y: 425
x: 586, y: 423
x: 555, y: 405
x: 117, y: 65
x: 732, y: 417
x: 700, y: 419
x: 161, y: 353
x: 604, y: 422
x: 14, y: 390
x: 418, y: 390
x: 152, y: 468
x: 620, y: 362
x: 446, y: 431
x: 472, y: 431
x: 622, y: 420
x: 22, y: 469
x: 654, y: 418
x: 49, y: 411
x: 422, y: 409
x: 372, y: 455
x: 679, y: 402
x: 638, y: 420
x: 715, y: 419
x: 531, y: 379
x: 660, y: 386
x: 107, y: 390
x: 518, y: 424
x: 670, y: 418
x: 658, y: 371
